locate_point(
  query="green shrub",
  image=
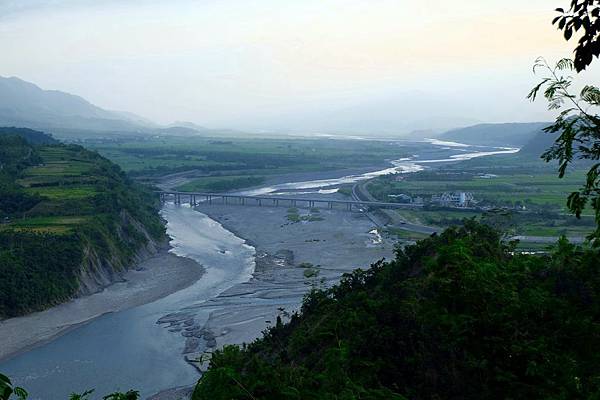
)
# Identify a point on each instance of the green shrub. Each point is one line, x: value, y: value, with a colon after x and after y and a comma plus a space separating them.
x: 456, y: 316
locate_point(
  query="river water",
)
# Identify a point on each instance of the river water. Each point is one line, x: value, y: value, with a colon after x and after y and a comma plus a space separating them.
x: 128, y: 349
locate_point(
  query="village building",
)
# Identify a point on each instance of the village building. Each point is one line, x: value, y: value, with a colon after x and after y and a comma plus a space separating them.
x: 453, y: 199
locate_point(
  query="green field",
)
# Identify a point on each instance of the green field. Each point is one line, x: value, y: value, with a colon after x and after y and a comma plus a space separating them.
x: 63, y: 175
x: 221, y: 183
x: 55, y: 225
x: 235, y: 156
x: 537, y: 200
x: 403, y: 234
x: 543, y: 190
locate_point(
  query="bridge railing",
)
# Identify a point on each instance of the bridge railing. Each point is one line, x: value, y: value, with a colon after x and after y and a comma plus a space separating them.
x: 195, y: 198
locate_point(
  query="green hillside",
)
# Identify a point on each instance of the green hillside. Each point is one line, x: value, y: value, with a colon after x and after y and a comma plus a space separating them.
x: 456, y: 316
x: 64, y: 209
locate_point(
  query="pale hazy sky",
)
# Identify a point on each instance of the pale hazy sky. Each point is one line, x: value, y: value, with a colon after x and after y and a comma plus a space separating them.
x: 267, y: 64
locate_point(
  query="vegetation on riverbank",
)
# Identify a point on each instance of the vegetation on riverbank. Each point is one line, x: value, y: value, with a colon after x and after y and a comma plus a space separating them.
x: 455, y: 316
x: 221, y: 183
x: 536, y: 200
x: 157, y: 156
x: 64, y: 209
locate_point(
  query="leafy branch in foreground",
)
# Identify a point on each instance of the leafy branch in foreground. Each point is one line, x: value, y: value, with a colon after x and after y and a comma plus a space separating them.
x: 578, y: 127
x: 7, y: 390
x: 581, y: 15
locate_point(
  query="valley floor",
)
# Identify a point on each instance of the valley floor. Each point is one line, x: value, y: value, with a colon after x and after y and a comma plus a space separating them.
x: 290, y: 259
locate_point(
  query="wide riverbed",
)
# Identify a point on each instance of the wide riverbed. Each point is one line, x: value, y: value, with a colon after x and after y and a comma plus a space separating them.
x: 126, y: 349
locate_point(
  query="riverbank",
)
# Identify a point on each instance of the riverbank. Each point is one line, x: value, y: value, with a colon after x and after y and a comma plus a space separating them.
x: 291, y: 258
x: 154, y: 278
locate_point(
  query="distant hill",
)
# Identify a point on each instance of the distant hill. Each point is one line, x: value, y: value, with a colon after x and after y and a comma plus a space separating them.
x: 187, y: 124
x: 178, y: 131
x: 513, y: 134
x: 31, y: 136
x: 538, y: 144
x: 25, y: 104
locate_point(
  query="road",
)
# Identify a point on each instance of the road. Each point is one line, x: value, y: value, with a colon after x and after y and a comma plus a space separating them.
x: 389, y: 217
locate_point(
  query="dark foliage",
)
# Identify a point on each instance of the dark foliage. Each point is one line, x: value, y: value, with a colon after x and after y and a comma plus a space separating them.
x: 457, y: 316
x: 31, y: 136
x: 40, y: 266
x: 581, y: 15
x: 577, y: 133
x: 36, y: 270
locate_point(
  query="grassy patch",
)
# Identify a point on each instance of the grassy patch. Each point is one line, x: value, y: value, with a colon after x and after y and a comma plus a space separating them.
x: 221, y: 183
x: 261, y: 156
x: 58, y: 224
x: 63, y: 193
x: 310, y: 273
x: 406, y: 235
x: 294, y: 216
x: 531, y: 190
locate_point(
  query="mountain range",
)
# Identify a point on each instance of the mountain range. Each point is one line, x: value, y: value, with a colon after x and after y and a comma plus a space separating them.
x: 505, y: 135
x: 24, y: 104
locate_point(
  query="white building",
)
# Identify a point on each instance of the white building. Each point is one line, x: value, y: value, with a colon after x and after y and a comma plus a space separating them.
x: 453, y: 199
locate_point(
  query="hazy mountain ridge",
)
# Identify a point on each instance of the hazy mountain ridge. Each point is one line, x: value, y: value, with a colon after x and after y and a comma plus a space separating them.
x: 506, y: 134
x: 540, y: 142
x: 398, y: 114
x: 25, y: 104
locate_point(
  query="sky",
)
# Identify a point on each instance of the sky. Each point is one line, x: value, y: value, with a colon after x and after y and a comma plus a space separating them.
x: 303, y: 65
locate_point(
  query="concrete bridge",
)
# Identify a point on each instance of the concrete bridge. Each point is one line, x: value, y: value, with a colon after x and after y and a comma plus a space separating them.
x: 235, y: 199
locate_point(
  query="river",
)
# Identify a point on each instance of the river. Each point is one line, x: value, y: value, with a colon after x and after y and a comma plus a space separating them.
x: 127, y: 349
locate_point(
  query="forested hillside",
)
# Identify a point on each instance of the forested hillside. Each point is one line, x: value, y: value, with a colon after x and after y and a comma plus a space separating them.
x: 70, y: 221
x: 456, y: 316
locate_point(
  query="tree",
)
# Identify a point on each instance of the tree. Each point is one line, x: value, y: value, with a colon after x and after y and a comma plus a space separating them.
x: 578, y: 124
x: 582, y: 14
x: 7, y: 389
x: 578, y: 128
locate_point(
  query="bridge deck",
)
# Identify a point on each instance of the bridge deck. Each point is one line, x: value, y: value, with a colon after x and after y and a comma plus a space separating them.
x: 292, y: 199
